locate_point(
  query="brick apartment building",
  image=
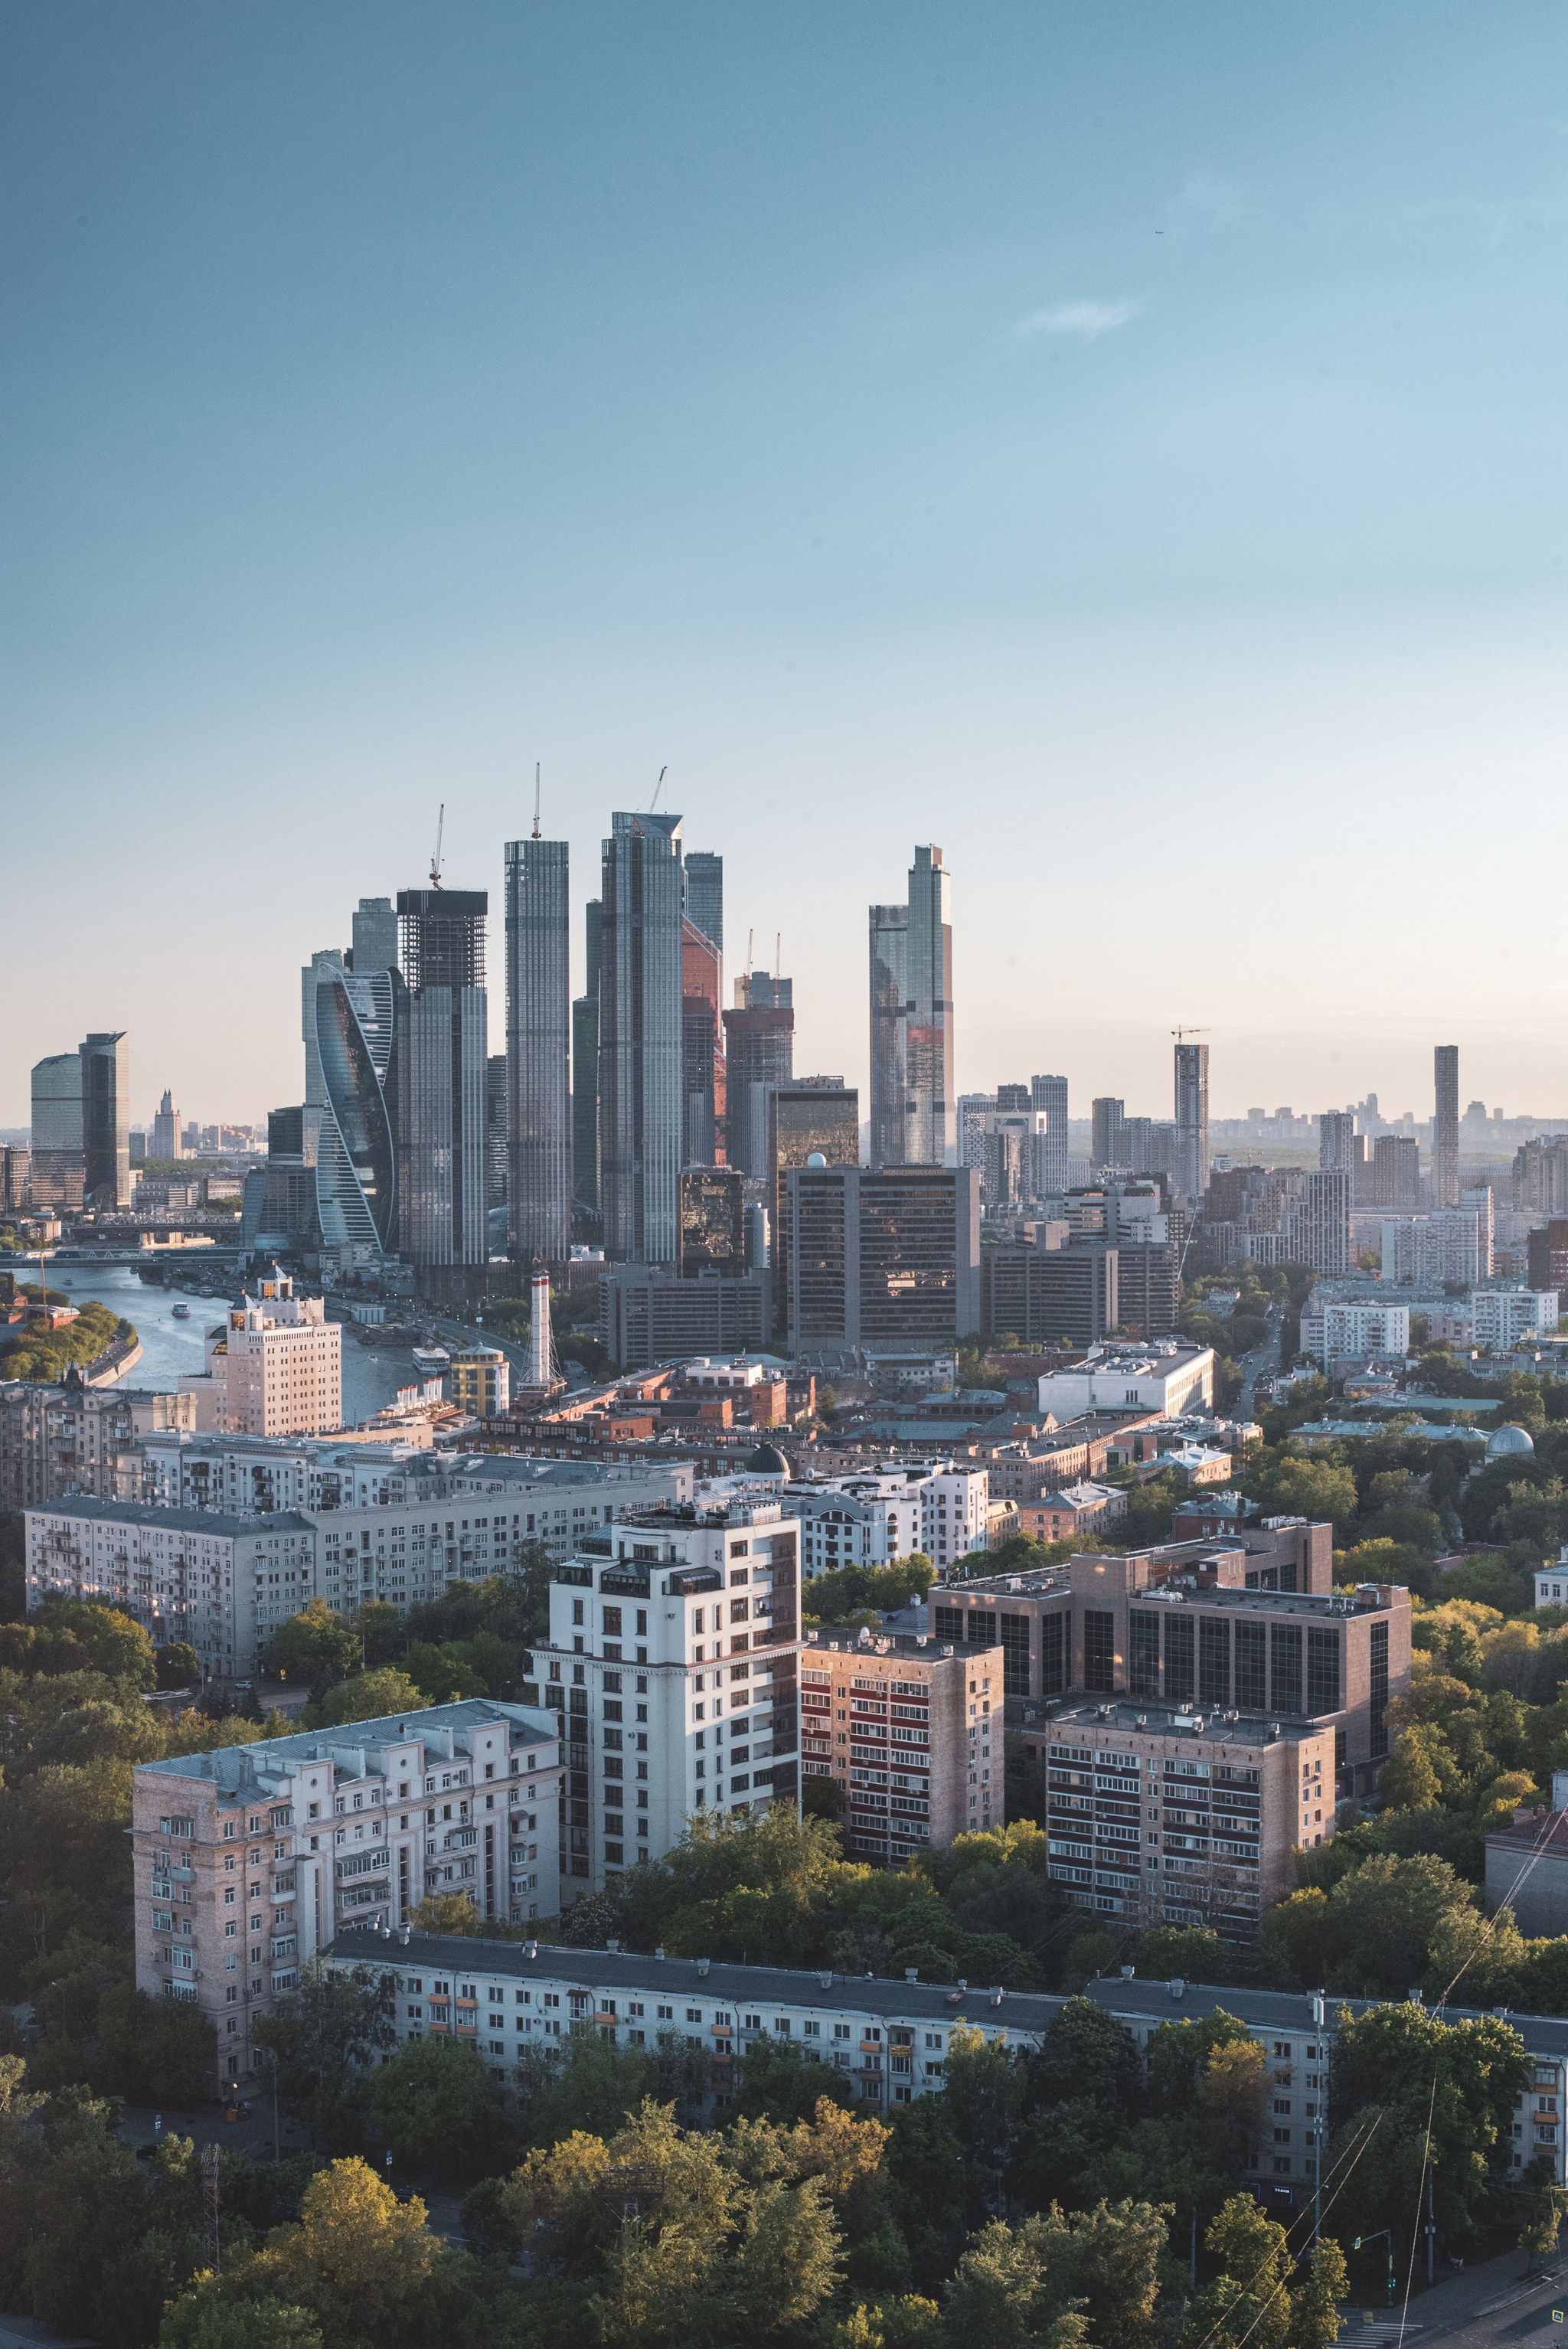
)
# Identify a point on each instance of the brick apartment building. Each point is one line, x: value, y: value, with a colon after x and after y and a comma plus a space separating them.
x: 905, y: 1726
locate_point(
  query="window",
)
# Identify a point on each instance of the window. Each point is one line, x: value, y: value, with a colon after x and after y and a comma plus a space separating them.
x: 1179, y: 1673
x: 1213, y: 1661
x: 1100, y: 1652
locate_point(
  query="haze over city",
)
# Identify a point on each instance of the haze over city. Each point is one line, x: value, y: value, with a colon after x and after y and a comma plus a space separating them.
x: 1122, y: 449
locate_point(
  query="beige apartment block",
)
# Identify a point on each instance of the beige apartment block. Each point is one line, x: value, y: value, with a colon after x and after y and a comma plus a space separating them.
x: 281, y: 1365
x: 911, y: 1730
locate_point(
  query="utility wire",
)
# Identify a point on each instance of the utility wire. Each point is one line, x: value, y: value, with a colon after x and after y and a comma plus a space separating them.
x: 1415, y: 2231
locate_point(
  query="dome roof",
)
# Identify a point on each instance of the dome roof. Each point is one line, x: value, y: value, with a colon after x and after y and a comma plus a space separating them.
x: 1504, y: 1442
x: 768, y: 1461
x: 815, y: 1158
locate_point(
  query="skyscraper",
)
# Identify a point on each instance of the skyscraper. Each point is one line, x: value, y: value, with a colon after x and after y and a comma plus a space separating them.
x: 1050, y: 1094
x: 585, y: 1075
x: 1107, y: 1131
x: 759, y: 1055
x: 932, y: 1098
x: 538, y: 1050
x: 805, y: 1120
x: 640, y: 1039
x: 441, y: 1018
x: 105, y: 1119
x: 703, y: 1071
x: 1337, y: 1141
x: 374, y: 935
x: 1192, y: 1119
x: 60, y: 1159
x: 346, y: 1119
x: 890, y: 1031
x: 704, y: 894
x: 167, y: 1134
x: 1446, y: 1128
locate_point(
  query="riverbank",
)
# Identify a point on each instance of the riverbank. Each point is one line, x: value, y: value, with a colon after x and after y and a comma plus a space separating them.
x: 106, y: 1369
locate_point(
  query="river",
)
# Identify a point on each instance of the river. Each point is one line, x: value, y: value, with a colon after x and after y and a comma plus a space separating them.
x: 371, y: 1374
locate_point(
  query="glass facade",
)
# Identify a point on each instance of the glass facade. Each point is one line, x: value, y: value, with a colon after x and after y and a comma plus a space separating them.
x: 440, y: 1017
x: 704, y: 894
x: 712, y: 1221
x: 355, y: 1165
x: 538, y: 1050
x: 105, y: 1119
x: 889, y: 997
x: 640, y: 1003
x: 1285, y: 1668
x: 59, y: 1158
x: 931, y: 1097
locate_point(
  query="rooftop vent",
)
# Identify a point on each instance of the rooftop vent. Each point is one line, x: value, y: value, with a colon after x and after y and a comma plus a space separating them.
x: 613, y: 1948
x: 826, y: 1980
x: 911, y: 1973
x: 1177, y: 1987
x: 531, y: 1949
x: 702, y: 1965
x: 659, y: 1954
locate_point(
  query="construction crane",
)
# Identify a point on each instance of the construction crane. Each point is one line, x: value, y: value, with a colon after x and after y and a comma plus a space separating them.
x: 536, y: 798
x: 658, y: 786
x: 1179, y: 1032
x: 436, y: 858
x: 778, y: 956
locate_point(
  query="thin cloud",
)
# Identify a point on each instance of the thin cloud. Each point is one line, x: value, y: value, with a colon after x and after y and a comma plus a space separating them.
x: 1084, y: 320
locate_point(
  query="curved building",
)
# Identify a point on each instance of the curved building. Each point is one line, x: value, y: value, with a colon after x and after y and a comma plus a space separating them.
x: 355, y: 1165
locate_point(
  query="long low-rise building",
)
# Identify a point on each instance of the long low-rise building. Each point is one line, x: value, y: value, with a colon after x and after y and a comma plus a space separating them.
x: 223, y: 1580
x: 889, y: 2038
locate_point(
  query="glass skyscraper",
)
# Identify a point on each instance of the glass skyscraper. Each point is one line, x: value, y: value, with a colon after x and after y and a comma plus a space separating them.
x: 538, y: 1050
x: 704, y: 894
x: 1192, y: 1119
x: 59, y: 1161
x: 640, y: 1091
x: 356, y: 1158
x: 585, y: 1077
x: 441, y: 1012
x: 889, y: 997
x: 105, y: 1119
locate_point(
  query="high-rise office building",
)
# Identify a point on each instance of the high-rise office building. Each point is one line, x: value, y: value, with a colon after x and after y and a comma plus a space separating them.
x: 703, y: 1072
x: 640, y: 1102
x: 931, y: 1097
x: 1192, y: 1168
x: 1108, y: 1131
x: 441, y: 1020
x: 585, y: 1075
x: 1337, y: 1141
x: 890, y: 1031
x: 712, y: 1222
x: 496, y: 1151
x: 538, y: 1050
x: 105, y: 1119
x: 760, y: 1051
x: 1446, y: 1127
x: 168, y: 1134
x: 764, y: 990
x: 886, y: 1257
x: 346, y: 1130
x: 59, y: 1158
x: 804, y: 1120
x: 704, y: 894
x: 374, y: 935
x: 1050, y: 1094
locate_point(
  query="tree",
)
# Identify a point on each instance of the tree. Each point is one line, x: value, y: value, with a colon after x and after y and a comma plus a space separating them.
x: 382, y: 1636
x: 440, y: 1674
x: 155, y: 2050
x: 1402, y: 2070
x: 321, y: 2037
x: 1384, y: 1915
x: 1108, y: 2258
x: 71, y: 1635
x: 177, y: 1664
x: 984, y: 2092
x: 1085, y: 2053
x: 314, y: 1647
x: 202, y: 2319
x: 1409, y: 1780
x: 435, y: 2097
x: 1004, y: 2294
x: 446, y: 1912
x: 777, y: 2083
x: 1249, y: 2301
x: 370, y: 1696
x: 365, y: 2265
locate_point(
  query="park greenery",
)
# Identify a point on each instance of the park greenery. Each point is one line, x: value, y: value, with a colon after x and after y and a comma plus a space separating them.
x: 46, y: 1355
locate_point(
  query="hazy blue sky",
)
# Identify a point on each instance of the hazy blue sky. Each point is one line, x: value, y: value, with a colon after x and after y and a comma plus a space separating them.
x: 1124, y: 445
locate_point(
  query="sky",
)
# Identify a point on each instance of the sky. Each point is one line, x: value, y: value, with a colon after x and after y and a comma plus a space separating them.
x: 1122, y: 446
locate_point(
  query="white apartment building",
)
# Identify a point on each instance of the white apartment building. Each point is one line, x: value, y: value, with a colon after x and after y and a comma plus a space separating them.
x: 224, y: 1581
x: 891, y: 2038
x: 274, y: 1367
x: 672, y: 1667
x: 1167, y: 1377
x: 872, y: 1518
x: 1500, y: 1318
x: 1354, y: 1331
x: 1552, y: 1582
x: 251, y: 1860
x: 1449, y: 1244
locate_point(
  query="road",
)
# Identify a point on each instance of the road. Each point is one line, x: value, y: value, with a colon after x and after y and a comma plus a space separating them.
x: 1491, y: 2306
x: 1262, y: 1357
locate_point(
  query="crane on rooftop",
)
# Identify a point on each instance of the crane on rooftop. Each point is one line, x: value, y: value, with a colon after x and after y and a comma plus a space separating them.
x: 436, y: 856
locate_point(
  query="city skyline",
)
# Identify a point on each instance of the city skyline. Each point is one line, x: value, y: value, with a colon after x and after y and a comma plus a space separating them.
x: 1166, y: 431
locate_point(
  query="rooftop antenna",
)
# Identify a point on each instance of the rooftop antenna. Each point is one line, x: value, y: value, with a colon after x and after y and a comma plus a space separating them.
x: 536, y: 798
x: 436, y: 859
x: 658, y: 786
x: 778, y: 956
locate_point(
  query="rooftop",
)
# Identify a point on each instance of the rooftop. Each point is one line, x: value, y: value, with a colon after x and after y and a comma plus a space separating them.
x: 188, y: 1521
x: 919, y: 1646
x: 1131, y: 1998
x: 279, y: 1756
x: 1101, y: 1717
